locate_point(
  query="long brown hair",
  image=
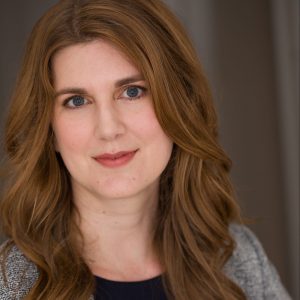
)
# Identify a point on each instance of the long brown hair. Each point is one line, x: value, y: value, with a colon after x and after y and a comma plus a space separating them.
x: 196, y: 203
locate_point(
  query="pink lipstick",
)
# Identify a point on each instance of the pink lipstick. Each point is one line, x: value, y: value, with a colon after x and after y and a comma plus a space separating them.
x: 116, y: 159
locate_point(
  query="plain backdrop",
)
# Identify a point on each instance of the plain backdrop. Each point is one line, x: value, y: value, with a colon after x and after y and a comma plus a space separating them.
x: 250, y: 52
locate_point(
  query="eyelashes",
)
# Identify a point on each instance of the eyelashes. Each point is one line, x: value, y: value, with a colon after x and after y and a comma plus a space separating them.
x: 75, y: 101
x: 130, y: 93
x: 133, y: 92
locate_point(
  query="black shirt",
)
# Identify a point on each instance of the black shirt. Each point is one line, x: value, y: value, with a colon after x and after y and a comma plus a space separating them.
x: 151, y: 289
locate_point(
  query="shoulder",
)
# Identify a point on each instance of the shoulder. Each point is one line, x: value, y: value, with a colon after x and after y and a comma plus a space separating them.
x: 250, y: 268
x: 18, y: 275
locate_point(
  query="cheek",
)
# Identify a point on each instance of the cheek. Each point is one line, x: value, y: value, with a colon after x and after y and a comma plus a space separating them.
x: 145, y: 122
x: 69, y: 135
x: 147, y: 127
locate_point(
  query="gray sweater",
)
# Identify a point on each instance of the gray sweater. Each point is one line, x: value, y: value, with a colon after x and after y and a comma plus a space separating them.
x: 248, y: 267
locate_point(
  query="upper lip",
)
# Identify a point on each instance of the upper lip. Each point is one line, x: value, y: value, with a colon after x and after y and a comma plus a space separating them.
x: 113, y: 155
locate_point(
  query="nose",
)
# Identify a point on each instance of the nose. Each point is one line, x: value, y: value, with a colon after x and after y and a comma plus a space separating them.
x: 109, y: 124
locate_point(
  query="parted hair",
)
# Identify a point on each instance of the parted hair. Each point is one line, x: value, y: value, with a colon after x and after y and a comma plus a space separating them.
x: 196, y: 199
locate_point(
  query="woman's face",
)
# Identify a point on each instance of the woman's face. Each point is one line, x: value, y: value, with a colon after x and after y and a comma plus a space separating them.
x: 104, y: 123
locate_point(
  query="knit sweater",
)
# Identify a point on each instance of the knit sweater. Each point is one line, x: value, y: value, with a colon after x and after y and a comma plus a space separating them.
x: 248, y: 267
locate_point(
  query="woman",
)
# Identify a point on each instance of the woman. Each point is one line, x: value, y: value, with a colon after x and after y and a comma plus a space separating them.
x: 118, y: 187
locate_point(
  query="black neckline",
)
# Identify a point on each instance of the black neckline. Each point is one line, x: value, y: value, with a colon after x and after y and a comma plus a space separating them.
x: 146, y: 281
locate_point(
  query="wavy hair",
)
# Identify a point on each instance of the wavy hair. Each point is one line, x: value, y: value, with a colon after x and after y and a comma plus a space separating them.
x: 196, y: 201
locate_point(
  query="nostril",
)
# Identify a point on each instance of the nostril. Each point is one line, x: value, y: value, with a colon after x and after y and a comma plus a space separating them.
x: 109, y: 126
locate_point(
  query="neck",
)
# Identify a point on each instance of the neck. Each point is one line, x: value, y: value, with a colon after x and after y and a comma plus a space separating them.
x: 118, y: 236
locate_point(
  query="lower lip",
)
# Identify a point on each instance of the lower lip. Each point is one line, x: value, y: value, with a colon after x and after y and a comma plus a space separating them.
x: 114, y: 163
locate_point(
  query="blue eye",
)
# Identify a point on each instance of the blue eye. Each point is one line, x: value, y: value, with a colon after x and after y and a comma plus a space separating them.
x: 133, y: 92
x: 75, y: 101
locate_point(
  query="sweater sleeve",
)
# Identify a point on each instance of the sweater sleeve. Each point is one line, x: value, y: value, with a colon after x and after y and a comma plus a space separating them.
x: 250, y: 268
x: 17, y: 277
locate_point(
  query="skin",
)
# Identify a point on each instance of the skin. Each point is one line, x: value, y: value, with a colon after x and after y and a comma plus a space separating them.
x: 117, y: 205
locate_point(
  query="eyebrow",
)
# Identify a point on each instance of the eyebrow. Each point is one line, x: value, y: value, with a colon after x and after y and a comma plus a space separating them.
x: 118, y: 83
x: 129, y: 80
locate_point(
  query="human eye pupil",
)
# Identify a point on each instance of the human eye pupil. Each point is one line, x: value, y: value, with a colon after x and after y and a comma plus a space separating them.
x: 132, y: 92
x: 78, y: 101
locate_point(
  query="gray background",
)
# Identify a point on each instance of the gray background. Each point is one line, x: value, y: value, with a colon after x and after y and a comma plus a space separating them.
x: 250, y: 51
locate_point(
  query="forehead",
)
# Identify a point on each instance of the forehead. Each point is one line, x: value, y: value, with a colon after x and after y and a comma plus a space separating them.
x: 85, y: 60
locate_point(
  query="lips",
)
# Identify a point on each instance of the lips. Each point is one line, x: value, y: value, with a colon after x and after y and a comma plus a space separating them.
x: 115, y: 159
